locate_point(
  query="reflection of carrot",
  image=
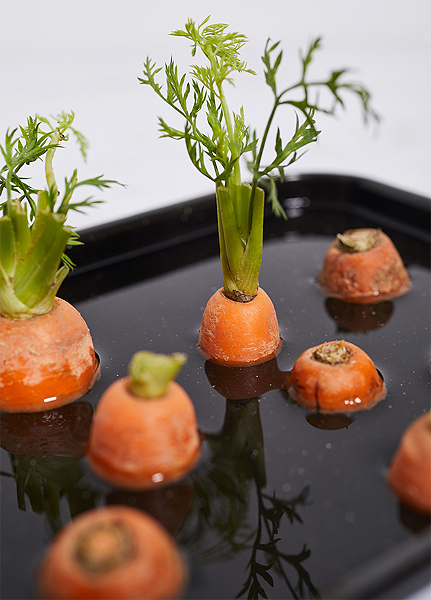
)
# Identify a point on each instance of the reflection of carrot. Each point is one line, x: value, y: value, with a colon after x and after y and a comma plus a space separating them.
x: 241, y: 383
x: 47, y: 360
x: 335, y: 377
x: 409, y: 473
x: 239, y: 333
x: 144, y: 431
x: 170, y: 504
x: 63, y: 430
x: 363, y: 265
x: 112, y: 552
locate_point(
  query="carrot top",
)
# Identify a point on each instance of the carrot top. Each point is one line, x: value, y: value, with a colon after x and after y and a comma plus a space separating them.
x: 216, y: 152
x: 33, y: 230
x: 150, y: 373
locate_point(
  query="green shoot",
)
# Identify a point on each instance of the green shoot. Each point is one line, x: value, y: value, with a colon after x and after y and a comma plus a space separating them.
x: 216, y: 150
x: 33, y: 230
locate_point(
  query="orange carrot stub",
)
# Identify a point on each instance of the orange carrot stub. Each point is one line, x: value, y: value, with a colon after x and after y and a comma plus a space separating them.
x: 137, y: 443
x: 239, y: 333
x: 112, y: 552
x: 409, y: 474
x: 363, y: 266
x: 335, y: 377
x: 46, y: 361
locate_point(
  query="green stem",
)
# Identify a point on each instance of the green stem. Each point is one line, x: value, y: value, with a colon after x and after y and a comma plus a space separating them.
x: 150, y: 374
x: 240, y: 259
x: 49, y: 171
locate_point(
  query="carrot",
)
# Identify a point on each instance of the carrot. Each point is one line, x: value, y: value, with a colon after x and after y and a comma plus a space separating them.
x: 63, y: 430
x: 217, y: 151
x: 112, y: 552
x: 239, y: 333
x: 409, y: 473
x: 46, y: 353
x: 363, y: 266
x: 46, y: 361
x: 144, y: 431
x: 335, y: 377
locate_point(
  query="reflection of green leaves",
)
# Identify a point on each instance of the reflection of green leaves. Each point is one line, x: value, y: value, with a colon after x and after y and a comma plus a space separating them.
x: 270, y: 516
x: 223, y: 489
x: 44, y: 480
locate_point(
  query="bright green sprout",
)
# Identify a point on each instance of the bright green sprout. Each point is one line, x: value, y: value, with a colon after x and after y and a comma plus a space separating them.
x: 216, y: 151
x: 33, y: 230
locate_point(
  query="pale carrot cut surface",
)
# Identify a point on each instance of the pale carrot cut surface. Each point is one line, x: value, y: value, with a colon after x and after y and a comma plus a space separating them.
x: 138, y: 443
x: 114, y: 552
x: 409, y: 474
x: 239, y: 333
x: 367, y: 276
x: 45, y: 361
x: 338, y: 386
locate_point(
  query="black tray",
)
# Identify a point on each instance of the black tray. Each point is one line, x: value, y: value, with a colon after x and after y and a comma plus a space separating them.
x: 276, y: 486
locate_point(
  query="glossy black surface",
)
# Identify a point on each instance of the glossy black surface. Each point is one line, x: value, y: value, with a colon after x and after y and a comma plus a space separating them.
x: 281, y: 495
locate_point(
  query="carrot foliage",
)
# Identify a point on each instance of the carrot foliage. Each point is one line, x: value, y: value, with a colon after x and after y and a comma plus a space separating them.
x: 216, y: 143
x: 33, y: 230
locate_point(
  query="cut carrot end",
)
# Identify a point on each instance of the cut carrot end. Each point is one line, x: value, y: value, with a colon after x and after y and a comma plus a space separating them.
x: 409, y: 474
x: 238, y: 334
x: 335, y: 377
x: 363, y: 266
x: 112, y: 552
x: 139, y: 444
x: 46, y: 361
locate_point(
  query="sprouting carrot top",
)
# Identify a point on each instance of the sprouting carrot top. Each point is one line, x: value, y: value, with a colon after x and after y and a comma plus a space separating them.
x: 144, y: 431
x: 335, y: 377
x: 217, y: 150
x: 363, y: 266
x: 150, y: 373
x: 33, y: 230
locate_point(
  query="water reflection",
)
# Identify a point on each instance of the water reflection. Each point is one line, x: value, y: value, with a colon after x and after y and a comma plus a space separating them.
x: 329, y: 422
x: 45, y: 451
x: 358, y: 318
x: 234, y: 479
x: 45, y: 480
x: 63, y: 430
x: 237, y: 383
x: 170, y: 504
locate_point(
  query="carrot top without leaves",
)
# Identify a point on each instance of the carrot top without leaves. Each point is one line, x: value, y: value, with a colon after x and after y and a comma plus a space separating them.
x: 33, y: 230
x: 217, y: 142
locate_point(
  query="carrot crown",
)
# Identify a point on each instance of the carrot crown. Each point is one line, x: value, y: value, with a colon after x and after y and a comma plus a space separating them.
x: 216, y: 153
x: 33, y: 230
x: 150, y: 373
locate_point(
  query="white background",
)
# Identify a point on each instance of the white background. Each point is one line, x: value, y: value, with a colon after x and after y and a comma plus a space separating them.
x: 87, y: 55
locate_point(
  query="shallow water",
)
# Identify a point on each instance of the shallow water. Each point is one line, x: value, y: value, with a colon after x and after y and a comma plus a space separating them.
x: 270, y: 469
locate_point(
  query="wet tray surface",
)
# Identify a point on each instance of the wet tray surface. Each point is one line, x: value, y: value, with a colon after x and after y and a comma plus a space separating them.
x: 281, y: 498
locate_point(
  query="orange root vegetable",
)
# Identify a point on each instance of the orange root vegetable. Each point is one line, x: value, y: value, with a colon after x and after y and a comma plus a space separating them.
x: 363, y: 266
x: 46, y: 361
x: 139, y: 440
x: 335, y: 377
x: 112, y: 552
x: 409, y: 474
x: 238, y: 334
